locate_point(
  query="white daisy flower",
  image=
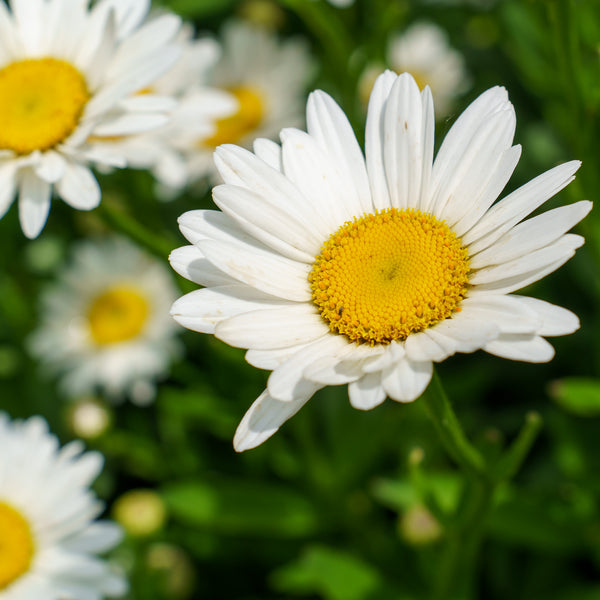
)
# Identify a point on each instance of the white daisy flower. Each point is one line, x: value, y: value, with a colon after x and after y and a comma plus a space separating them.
x: 68, y: 74
x: 333, y: 268
x: 105, y: 322
x: 423, y: 51
x: 51, y: 540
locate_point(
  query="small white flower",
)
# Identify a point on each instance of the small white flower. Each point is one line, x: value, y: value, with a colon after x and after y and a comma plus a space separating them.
x: 334, y: 268
x: 423, y: 51
x: 105, y: 322
x: 51, y: 540
x: 68, y: 76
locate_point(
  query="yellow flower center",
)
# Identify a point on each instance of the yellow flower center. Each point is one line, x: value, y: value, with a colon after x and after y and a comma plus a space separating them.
x: 16, y: 545
x: 230, y: 130
x: 117, y: 315
x: 386, y: 275
x: 41, y: 101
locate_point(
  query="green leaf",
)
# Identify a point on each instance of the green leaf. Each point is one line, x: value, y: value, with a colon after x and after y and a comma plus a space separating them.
x: 240, y: 507
x: 578, y: 395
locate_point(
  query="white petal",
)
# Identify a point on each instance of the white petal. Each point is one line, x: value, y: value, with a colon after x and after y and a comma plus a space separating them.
x: 34, y: 203
x: 327, y: 123
x: 51, y: 167
x: 270, y: 359
x: 462, y: 334
x: 238, y: 166
x: 464, y: 132
x: 270, y: 328
x: 534, y: 261
x: 260, y: 269
x: 367, y: 392
x: 406, y: 380
x: 531, y: 235
x: 475, y: 208
x: 508, y: 313
x: 78, y: 187
x: 264, y: 418
x: 344, y: 366
x: 392, y: 353
x: 129, y: 124
x: 287, y: 382
x: 555, y: 319
x: 8, y: 186
x: 422, y: 347
x: 327, y: 194
x: 374, y: 139
x: 528, y: 348
x: 269, y: 151
x: 405, y: 128
x: 190, y: 263
x: 473, y: 170
x: 202, y: 224
x: 517, y: 205
x: 202, y: 310
x: 267, y: 221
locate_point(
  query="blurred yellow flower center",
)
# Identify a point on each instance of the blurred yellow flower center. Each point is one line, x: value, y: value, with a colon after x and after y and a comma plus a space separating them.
x: 117, y: 315
x: 384, y: 276
x: 16, y: 545
x: 41, y: 101
x: 230, y: 130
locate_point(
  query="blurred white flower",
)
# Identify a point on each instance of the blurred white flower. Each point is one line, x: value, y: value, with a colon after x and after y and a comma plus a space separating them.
x: 335, y: 268
x: 423, y: 51
x: 50, y: 539
x: 67, y: 76
x: 105, y: 322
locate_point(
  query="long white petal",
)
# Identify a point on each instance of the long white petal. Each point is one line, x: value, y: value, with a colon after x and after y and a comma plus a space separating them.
x: 531, y: 235
x: 406, y: 380
x: 328, y: 124
x: 517, y: 205
x: 190, y: 263
x: 555, y: 320
x: 374, y: 140
x: 202, y: 310
x: 261, y: 269
x: 78, y: 187
x: 34, y: 203
x: 264, y: 418
x: 528, y: 348
x: 367, y: 392
x: 287, y: 381
x: 270, y: 328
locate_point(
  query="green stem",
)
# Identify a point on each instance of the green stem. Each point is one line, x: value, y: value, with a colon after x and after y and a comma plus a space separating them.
x: 448, y: 427
x: 133, y: 229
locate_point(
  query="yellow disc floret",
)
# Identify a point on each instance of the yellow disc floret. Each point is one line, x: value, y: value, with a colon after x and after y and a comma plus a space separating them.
x: 16, y: 545
x: 386, y: 275
x: 41, y: 102
x: 117, y: 315
x: 229, y: 130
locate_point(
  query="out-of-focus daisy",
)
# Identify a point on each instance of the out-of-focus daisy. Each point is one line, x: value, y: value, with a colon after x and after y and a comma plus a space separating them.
x: 335, y: 269
x: 51, y: 540
x: 266, y: 79
x: 166, y: 151
x: 105, y: 322
x: 424, y: 52
x: 68, y: 75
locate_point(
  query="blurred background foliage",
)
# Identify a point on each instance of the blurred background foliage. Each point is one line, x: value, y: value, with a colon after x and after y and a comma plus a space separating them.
x: 345, y: 505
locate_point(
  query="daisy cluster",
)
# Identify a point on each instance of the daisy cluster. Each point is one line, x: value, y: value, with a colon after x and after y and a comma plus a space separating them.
x: 328, y: 264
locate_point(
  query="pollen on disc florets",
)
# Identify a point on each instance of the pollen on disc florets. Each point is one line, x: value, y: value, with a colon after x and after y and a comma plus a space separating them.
x: 386, y: 275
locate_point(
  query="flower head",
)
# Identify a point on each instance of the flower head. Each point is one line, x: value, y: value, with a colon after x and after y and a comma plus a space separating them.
x: 70, y: 75
x: 50, y: 538
x: 105, y: 322
x: 336, y: 268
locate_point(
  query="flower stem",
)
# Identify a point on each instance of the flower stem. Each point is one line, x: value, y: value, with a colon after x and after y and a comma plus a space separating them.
x: 448, y: 427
